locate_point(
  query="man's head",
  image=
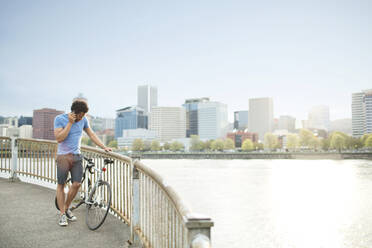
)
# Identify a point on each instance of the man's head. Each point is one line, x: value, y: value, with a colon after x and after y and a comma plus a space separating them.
x: 80, y: 108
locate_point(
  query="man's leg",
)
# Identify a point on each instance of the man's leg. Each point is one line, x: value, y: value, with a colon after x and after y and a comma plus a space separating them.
x: 61, y: 198
x: 76, y: 176
x: 62, y: 172
x: 71, y: 194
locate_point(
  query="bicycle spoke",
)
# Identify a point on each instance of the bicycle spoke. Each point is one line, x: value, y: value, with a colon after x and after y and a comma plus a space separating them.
x: 98, y: 206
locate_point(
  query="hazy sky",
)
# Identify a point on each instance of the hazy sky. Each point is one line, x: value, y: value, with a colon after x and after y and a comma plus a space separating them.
x: 301, y: 53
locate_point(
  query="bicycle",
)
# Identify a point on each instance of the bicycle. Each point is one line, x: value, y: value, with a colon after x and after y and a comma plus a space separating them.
x: 96, y: 198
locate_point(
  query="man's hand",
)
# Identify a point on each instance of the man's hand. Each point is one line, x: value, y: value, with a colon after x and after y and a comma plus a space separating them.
x: 107, y: 149
x: 71, y: 117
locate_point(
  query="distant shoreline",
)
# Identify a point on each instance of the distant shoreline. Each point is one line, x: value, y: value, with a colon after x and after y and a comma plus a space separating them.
x: 241, y: 155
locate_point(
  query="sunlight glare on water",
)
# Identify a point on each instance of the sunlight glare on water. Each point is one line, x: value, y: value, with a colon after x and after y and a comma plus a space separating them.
x: 278, y: 203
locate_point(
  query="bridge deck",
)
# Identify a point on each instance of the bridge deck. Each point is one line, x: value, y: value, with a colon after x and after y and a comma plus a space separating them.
x: 28, y: 218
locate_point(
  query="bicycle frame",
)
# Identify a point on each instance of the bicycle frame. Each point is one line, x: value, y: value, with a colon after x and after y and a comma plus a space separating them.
x: 90, y: 189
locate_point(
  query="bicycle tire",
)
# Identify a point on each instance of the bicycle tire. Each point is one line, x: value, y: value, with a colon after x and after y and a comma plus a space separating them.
x: 98, y: 206
x: 68, y: 184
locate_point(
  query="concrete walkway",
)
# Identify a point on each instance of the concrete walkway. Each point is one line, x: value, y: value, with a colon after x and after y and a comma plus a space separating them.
x: 28, y: 218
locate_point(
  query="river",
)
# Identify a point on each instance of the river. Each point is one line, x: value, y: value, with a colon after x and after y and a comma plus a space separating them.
x: 277, y: 203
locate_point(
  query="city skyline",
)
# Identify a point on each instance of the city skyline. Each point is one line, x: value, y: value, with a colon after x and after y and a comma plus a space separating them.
x: 300, y: 54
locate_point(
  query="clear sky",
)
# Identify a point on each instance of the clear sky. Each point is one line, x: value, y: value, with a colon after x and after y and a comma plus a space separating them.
x: 301, y: 53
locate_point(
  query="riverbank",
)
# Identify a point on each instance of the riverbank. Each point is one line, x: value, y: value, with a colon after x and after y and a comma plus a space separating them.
x: 241, y: 155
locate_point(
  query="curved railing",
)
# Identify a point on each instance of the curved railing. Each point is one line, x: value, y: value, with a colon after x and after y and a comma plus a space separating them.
x: 5, y: 155
x: 140, y: 197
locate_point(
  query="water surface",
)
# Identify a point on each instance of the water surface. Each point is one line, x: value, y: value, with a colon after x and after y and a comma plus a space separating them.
x: 278, y: 203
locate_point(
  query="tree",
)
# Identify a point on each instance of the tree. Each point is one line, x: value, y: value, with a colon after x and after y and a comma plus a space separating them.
x: 247, y: 145
x: 258, y: 146
x: 146, y: 145
x: 315, y: 143
x: 338, y: 141
x: 306, y: 137
x: 196, y: 143
x: 109, y: 138
x: 113, y: 144
x: 270, y: 141
x: 155, y: 145
x: 207, y: 145
x: 353, y: 143
x: 138, y: 145
x: 86, y: 141
x: 217, y: 145
x: 364, y: 138
x: 369, y: 142
x: 293, y: 141
x: 176, y: 146
x: 326, y: 143
x: 166, y: 146
x: 228, y: 144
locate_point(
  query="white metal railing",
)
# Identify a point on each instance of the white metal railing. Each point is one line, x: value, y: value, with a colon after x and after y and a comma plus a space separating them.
x: 140, y: 197
x: 5, y: 155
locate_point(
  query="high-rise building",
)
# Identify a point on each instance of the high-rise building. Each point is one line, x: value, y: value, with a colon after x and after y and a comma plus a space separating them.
x: 241, y: 120
x: 25, y: 131
x: 130, y: 118
x: 11, y: 121
x: 168, y: 122
x: 368, y: 111
x: 341, y: 125
x: 319, y: 118
x: 108, y: 123
x: 147, y: 97
x: 191, y: 107
x: 100, y: 124
x: 361, y: 109
x: 287, y: 123
x: 212, y: 120
x: 43, y: 123
x: 24, y: 121
x: 261, y: 116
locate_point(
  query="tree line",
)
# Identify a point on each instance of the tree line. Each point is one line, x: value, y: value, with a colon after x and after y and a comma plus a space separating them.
x: 304, y: 140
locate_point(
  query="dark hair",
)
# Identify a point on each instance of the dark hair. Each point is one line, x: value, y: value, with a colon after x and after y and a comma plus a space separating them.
x: 79, y: 106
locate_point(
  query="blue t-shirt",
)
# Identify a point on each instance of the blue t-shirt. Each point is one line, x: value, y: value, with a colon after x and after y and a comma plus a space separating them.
x: 72, y: 142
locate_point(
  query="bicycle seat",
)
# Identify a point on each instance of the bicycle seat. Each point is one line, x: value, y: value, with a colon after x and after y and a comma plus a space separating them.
x: 108, y: 161
x: 89, y: 160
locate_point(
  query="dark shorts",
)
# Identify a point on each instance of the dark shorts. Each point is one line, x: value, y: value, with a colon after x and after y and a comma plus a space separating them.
x: 72, y: 163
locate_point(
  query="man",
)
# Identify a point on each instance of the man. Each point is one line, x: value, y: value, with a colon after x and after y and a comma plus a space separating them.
x: 68, y: 129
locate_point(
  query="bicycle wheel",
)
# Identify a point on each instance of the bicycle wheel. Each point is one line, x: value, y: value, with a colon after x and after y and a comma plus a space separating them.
x: 98, y: 205
x: 68, y: 185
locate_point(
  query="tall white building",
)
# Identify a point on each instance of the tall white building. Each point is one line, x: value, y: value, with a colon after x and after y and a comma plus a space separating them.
x: 3, y: 129
x: 319, y: 118
x: 261, y: 116
x: 11, y: 121
x: 357, y: 114
x: 168, y: 122
x: 361, y: 109
x: 287, y: 123
x: 25, y: 131
x: 212, y: 120
x: 368, y: 111
x: 147, y: 97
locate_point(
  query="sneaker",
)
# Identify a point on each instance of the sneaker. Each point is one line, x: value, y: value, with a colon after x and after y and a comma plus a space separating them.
x: 63, y: 220
x: 70, y: 216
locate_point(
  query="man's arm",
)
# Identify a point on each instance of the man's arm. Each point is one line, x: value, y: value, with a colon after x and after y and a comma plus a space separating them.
x: 96, y: 140
x: 62, y: 133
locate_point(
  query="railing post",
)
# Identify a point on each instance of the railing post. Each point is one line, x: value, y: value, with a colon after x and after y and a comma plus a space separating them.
x: 13, y: 171
x: 199, y: 231
x: 135, y: 218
